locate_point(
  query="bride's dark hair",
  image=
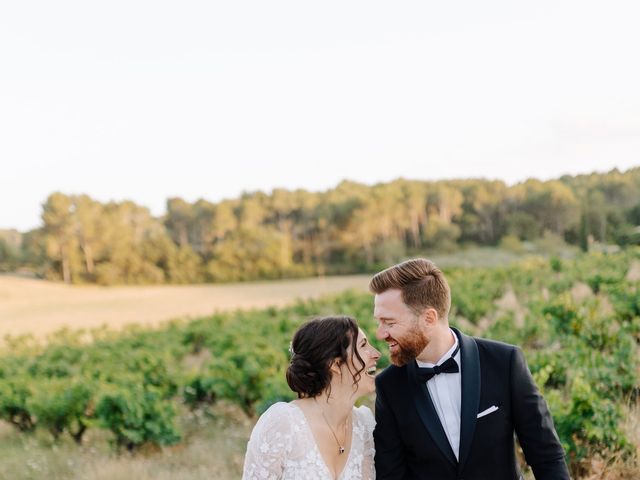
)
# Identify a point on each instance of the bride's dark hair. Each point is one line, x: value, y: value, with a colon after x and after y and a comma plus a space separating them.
x: 315, y: 345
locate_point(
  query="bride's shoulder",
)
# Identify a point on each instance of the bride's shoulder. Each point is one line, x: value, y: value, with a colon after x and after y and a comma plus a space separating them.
x: 280, y: 407
x: 364, y: 415
x: 277, y: 414
x: 278, y: 410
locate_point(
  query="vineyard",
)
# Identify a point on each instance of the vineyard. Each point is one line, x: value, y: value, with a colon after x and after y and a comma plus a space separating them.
x: 577, y: 320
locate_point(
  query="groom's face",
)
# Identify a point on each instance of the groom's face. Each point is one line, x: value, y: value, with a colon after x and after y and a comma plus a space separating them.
x: 399, y: 326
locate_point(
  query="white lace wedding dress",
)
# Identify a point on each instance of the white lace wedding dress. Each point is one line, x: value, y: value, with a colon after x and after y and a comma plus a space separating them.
x: 282, y: 447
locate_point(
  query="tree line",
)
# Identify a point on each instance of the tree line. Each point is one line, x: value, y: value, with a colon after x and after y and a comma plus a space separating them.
x: 350, y: 228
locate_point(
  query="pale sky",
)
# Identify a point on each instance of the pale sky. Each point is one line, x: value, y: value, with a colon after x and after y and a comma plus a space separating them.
x: 148, y: 100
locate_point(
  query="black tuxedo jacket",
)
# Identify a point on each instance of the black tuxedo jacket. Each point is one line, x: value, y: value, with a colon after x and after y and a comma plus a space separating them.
x: 410, y: 440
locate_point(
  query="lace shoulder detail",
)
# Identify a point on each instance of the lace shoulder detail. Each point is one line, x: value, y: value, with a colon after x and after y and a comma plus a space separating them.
x: 269, y: 444
x: 365, y: 417
x: 364, y: 423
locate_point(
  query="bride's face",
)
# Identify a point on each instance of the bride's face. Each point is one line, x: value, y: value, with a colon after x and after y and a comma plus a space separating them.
x: 366, y: 383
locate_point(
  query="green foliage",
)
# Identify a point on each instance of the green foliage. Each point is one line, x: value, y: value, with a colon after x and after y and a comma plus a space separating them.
x: 57, y: 361
x: 599, y: 279
x: 183, y: 266
x: 251, y: 254
x: 473, y: 294
x: 583, y: 354
x: 587, y: 423
x: 14, y: 395
x: 348, y: 229
x: 563, y: 316
x: 584, y: 233
x: 201, y: 389
x: 137, y: 416
x: 61, y: 406
x: 275, y: 389
x: 9, y: 258
x: 625, y: 297
x: 556, y: 264
x: 512, y: 243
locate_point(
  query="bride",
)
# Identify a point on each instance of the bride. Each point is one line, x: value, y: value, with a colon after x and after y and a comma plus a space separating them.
x: 321, y: 435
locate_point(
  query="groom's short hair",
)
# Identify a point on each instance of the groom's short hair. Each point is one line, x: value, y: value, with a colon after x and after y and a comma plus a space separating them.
x: 422, y: 285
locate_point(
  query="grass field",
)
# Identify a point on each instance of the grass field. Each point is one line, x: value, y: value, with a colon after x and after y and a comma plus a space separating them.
x: 38, y: 307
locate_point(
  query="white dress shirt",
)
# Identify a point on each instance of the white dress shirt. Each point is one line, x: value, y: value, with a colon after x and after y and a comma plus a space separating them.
x: 446, y: 394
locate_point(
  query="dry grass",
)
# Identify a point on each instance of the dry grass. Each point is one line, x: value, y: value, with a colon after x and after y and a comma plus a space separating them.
x: 213, y: 449
x: 38, y: 307
x: 633, y: 275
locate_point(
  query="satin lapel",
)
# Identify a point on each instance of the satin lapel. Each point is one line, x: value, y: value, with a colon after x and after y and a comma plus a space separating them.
x: 428, y: 414
x: 470, y: 393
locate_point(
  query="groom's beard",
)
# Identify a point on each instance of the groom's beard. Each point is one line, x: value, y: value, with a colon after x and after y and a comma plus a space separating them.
x: 409, y: 348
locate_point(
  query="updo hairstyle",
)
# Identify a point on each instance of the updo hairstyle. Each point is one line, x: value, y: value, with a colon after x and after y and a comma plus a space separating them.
x: 315, y: 345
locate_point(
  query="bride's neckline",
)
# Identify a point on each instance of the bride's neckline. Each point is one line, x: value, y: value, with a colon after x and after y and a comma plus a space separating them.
x: 315, y: 442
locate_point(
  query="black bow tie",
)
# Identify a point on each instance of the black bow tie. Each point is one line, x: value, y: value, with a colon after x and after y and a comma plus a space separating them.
x: 424, y: 374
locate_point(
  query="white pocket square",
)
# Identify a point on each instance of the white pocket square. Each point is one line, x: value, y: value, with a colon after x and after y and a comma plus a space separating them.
x: 489, y: 410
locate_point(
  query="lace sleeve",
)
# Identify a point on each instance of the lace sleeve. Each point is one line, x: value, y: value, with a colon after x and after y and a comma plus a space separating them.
x: 269, y: 444
x: 368, y: 463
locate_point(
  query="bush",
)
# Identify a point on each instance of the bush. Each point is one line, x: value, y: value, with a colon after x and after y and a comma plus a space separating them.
x: 60, y: 406
x: 14, y: 395
x: 512, y: 243
x: 137, y: 416
x: 587, y: 424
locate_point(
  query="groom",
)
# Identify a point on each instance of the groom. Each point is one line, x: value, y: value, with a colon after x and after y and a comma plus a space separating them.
x: 449, y: 405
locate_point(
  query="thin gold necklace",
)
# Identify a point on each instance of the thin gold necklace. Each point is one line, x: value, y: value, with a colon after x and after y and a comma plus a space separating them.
x: 340, y: 446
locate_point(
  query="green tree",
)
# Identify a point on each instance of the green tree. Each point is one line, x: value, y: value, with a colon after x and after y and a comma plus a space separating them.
x: 178, y: 220
x: 88, y: 214
x: 60, y: 236
x: 8, y: 257
x: 484, y: 209
x: 250, y: 254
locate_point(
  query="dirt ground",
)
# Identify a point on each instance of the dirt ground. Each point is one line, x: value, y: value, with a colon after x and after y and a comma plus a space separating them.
x: 39, y: 307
